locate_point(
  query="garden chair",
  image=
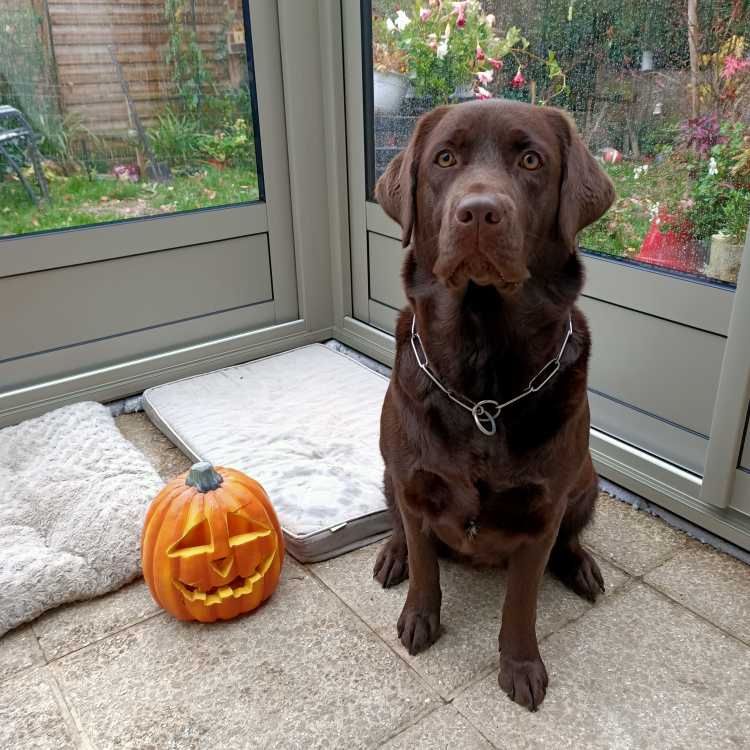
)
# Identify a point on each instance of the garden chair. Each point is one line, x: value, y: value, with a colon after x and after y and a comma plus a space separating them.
x: 16, y: 131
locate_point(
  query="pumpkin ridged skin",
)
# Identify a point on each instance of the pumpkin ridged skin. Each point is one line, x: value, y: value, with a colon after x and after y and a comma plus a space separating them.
x: 185, y: 543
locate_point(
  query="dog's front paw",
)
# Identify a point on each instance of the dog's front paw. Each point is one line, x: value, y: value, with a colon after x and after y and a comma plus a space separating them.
x: 525, y: 681
x: 578, y: 570
x: 392, y: 564
x: 418, y: 628
x: 588, y: 581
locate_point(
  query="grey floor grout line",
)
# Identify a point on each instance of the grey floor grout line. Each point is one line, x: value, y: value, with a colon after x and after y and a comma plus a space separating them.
x: 699, y: 615
x: 471, y: 723
x: 22, y: 671
x: 422, y: 679
x: 620, y: 566
x: 477, y: 678
x: 420, y: 716
x: 378, y: 743
x: 95, y: 641
x: 641, y: 578
x: 70, y: 716
x: 626, y: 586
x: 672, y: 520
x: 407, y: 727
x: 603, y: 556
x: 621, y: 591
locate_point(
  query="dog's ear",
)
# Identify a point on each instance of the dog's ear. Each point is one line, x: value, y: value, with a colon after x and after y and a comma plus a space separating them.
x: 396, y: 190
x: 586, y: 192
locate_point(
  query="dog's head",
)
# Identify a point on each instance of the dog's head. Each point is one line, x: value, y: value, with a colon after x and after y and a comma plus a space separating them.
x: 493, y: 192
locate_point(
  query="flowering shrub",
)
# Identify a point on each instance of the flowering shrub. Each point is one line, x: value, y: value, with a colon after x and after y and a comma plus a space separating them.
x: 727, y: 78
x: 453, y: 46
x: 701, y: 133
x: 720, y: 200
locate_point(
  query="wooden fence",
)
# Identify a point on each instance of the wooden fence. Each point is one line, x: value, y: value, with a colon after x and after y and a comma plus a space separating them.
x: 77, y: 36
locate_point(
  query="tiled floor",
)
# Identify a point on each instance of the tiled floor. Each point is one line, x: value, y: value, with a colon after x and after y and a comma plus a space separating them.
x: 662, y: 661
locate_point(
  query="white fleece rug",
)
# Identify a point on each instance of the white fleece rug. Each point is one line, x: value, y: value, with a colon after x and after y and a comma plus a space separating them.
x: 73, y: 494
x: 306, y: 425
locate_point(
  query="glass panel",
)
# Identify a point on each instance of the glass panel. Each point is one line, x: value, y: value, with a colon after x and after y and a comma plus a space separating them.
x: 666, y: 111
x: 111, y: 111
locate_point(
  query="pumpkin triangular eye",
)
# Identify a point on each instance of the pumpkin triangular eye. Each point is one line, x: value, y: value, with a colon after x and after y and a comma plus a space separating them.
x: 243, y: 530
x: 195, y: 541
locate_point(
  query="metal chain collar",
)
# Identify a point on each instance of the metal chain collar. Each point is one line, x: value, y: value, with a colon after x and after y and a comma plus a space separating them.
x: 487, y: 411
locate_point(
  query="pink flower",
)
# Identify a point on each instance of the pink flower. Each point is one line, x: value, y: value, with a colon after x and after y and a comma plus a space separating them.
x: 496, y: 64
x: 485, y: 77
x: 482, y: 93
x: 518, y: 79
x: 432, y: 41
x: 459, y: 9
x: 480, y: 53
x: 424, y: 14
x: 733, y: 65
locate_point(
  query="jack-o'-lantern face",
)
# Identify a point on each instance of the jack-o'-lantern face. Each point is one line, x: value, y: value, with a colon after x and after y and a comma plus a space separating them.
x: 212, y: 546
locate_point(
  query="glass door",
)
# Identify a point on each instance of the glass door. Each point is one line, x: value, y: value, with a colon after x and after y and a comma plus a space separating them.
x: 145, y: 221
x: 661, y: 98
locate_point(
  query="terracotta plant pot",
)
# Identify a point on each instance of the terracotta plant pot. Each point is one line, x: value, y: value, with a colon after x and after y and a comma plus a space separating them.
x: 724, y: 258
x: 674, y: 248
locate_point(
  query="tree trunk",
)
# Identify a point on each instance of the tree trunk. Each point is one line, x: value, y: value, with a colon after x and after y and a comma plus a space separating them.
x: 692, y: 14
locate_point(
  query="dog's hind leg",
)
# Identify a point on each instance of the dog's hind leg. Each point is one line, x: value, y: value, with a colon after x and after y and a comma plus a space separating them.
x: 569, y: 561
x: 392, y: 564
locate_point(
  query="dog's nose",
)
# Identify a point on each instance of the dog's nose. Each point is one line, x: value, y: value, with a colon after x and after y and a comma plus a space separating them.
x: 479, y: 208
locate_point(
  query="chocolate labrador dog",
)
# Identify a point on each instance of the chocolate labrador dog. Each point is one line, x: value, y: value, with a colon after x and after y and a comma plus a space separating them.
x: 485, y: 425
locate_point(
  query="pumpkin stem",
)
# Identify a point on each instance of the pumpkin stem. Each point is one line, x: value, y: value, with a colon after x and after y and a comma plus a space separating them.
x: 203, y: 476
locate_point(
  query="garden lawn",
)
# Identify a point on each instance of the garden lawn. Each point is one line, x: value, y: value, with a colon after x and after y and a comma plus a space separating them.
x: 639, y: 194
x: 78, y: 201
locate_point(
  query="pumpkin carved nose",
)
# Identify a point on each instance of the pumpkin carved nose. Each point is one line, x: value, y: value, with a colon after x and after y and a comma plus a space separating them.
x: 222, y: 565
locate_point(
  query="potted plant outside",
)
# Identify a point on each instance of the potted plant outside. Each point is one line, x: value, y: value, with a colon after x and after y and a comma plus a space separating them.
x: 721, y: 201
x: 390, y: 83
x: 450, y: 52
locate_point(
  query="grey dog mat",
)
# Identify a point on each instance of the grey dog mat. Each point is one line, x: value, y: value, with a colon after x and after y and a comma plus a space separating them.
x: 73, y: 495
x: 305, y: 424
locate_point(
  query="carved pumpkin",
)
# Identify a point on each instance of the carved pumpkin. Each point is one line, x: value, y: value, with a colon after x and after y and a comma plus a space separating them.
x: 211, y: 546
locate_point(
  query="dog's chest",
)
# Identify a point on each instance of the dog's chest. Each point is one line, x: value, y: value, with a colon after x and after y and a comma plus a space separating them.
x: 486, y: 523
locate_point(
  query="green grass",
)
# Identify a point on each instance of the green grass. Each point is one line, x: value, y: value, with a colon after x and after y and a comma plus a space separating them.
x: 78, y: 201
x: 622, y: 229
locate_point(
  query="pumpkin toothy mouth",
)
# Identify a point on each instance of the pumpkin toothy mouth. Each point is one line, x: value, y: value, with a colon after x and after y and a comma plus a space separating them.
x: 234, y: 589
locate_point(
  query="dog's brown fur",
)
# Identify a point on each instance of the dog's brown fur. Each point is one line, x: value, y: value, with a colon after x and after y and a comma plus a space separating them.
x: 492, y: 275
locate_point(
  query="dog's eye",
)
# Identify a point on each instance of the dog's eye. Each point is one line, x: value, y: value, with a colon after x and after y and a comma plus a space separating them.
x: 445, y: 158
x: 531, y: 161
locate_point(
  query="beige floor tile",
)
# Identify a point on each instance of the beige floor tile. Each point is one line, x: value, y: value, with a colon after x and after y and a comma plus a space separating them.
x: 30, y: 715
x: 443, y: 729
x: 470, y: 615
x: 19, y: 650
x: 632, y: 539
x: 300, y: 672
x: 710, y: 583
x: 637, y: 672
x: 166, y: 459
x: 74, y: 626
